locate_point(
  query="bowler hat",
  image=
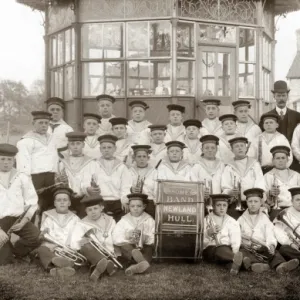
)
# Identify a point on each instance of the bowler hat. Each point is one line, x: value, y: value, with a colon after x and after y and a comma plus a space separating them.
x: 280, y: 86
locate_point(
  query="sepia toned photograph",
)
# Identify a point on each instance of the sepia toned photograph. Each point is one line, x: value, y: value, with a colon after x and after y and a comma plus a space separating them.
x: 149, y: 149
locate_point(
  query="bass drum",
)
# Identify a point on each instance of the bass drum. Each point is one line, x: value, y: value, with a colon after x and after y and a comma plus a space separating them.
x: 179, y: 220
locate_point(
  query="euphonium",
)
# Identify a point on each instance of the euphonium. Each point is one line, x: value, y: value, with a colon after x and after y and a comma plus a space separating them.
x: 253, y: 245
x: 274, y: 199
x: 66, y: 252
x: 208, y: 187
x: 238, y: 200
x: 294, y: 236
x: 211, y: 224
x: 100, y: 247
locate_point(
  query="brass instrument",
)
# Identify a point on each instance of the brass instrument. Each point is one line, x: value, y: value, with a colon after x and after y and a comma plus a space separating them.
x: 100, y: 247
x: 18, y: 220
x: 42, y: 190
x: 61, y: 178
x: 253, y: 245
x: 139, y: 184
x: 208, y: 187
x: 237, y: 199
x: 274, y: 199
x: 211, y: 224
x: 94, y: 180
x: 294, y: 236
x: 66, y: 252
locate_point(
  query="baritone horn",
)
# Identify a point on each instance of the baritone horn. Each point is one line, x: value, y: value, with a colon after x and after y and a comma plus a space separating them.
x: 208, y: 188
x: 66, y: 252
x: 100, y: 247
x: 253, y: 245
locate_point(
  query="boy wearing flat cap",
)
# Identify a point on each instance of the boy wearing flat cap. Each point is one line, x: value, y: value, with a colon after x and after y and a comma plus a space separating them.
x: 261, y: 146
x: 91, y: 124
x: 57, y: 126
x: 241, y: 173
x: 222, y: 236
x: 57, y: 226
x: 209, y: 169
x: 211, y: 125
x: 229, y: 132
x: 113, y: 178
x: 287, y: 229
x: 245, y: 125
x: 17, y: 196
x: 175, y: 130
x: 144, y: 176
x: 37, y: 157
x: 192, y: 152
x: 137, y: 128
x: 158, y: 146
x: 134, y: 235
x: 279, y: 180
x: 174, y: 167
x: 105, y: 108
x: 123, y: 144
x: 258, y: 238
x: 101, y: 226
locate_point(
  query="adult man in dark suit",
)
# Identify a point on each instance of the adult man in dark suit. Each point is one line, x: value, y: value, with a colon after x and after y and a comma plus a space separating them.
x: 289, y: 118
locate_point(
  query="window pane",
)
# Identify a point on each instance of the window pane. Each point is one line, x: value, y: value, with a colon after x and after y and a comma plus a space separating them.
x: 246, y: 80
x: 57, y: 83
x: 160, y: 38
x: 216, y: 33
x: 60, y: 48
x: 102, y: 40
x: 138, y: 39
x: 160, y: 78
x: 185, y: 39
x: 208, y: 73
x: 53, y: 56
x: 99, y: 78
x: 68, y: 45
x: 247, y: 45
x: 185, y: 77
x: 69, y: 82
x: 224, y: 73
x: 73, y: 45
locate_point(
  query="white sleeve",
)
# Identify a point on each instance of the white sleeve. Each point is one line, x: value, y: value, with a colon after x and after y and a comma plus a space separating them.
x: 280, y: 234
x: 194, y: 173
x: 270, y: 234
x: 259, y: 177
x: 126, y: 184
x: 227, y: 180
x: 29, y: 195
x: 235, y: 236
x: 217, y: 178
x: 119, y: 234
x: 295, y: 145
x: 285, y: 142
x: 23, y: 157
x: 149, y: 233
x: 76, y: 235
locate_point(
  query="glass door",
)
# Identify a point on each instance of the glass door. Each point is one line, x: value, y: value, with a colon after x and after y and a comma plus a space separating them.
x: 216, y: 75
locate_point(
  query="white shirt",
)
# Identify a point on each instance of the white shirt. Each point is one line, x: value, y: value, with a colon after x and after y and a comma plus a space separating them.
x: 279, y: 110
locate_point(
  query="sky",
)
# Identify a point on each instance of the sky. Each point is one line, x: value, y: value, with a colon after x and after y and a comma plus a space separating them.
x: 22, y: 43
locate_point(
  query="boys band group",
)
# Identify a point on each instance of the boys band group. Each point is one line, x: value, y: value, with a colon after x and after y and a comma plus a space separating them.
x: 89, y: 198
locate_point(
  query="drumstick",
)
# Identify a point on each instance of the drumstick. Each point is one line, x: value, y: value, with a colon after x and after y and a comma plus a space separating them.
x: 156, y: 167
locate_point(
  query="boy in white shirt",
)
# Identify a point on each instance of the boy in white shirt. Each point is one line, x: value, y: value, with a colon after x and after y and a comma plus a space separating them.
x: 258, y: 238
x: 158, y: 146
x: 91, y: 124
x: 134, y: 234
x: 175, y: 130
x: 17, y: 197
x: 222, y: 236
x: 137, y: 128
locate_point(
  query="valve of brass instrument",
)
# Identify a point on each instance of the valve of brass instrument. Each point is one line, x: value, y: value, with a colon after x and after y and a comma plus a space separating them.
x: 94, y: 189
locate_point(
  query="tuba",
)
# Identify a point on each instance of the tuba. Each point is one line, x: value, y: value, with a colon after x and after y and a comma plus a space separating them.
x: 211, y: 224
x: 66, y: 252
x: 294, y: 236
x: 208, y: 187
x: 100, y: 247
x: 238, y: 199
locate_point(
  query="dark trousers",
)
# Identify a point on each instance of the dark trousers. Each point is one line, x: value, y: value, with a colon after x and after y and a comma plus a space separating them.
x: 114, y: 208
x: 273, y: 261
x: 29, y: 240
x: 78, y: 207
x: 289, y: 253
x: 43, y: 180
x: 218, y: 254
x: 126, y: 251
x: 92, y: 255
x: 150, y: 208
x: 45, y: 256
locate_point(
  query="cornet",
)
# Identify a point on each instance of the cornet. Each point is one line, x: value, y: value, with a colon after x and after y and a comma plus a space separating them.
x: 66, y: 252
x: 274, y: 199
x: 94, y: 180
x: 208, y: 187
x: 101, y: 248
x: 238, y: 200
x: 139, y: 184
x: 211, y: 224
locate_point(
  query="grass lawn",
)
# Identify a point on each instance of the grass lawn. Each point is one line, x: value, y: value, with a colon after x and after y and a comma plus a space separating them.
x: 163, y: 281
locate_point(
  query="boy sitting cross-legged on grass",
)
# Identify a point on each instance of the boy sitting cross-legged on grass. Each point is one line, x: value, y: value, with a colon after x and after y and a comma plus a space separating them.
x: 101, y: 225
x: 134, y: 234
x: 57, y: 223
x: 222, y: 236
x: 258, y: 238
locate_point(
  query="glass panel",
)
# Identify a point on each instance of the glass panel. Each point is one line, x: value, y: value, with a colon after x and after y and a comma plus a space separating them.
x: 60, y: 48
x: 138, y: 40
x: 266, y: 85
x: 160, y: 38
x: 217, y: 33
x: 138, y: 81
x: 57, y: 83
x: 53, y: 50
x: 247, y: 45
x: 160, y: 78
x: 224, y: 73
x: 73, y: 45
x: 185, y: 77
x: 185, y: 39
x: 68, y: 45
x: 102, y: 40
x: 208, y: 73
x: 69, y: 82
x: 99, y: 78
x: 267, y: 52
x: 246, y: 80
